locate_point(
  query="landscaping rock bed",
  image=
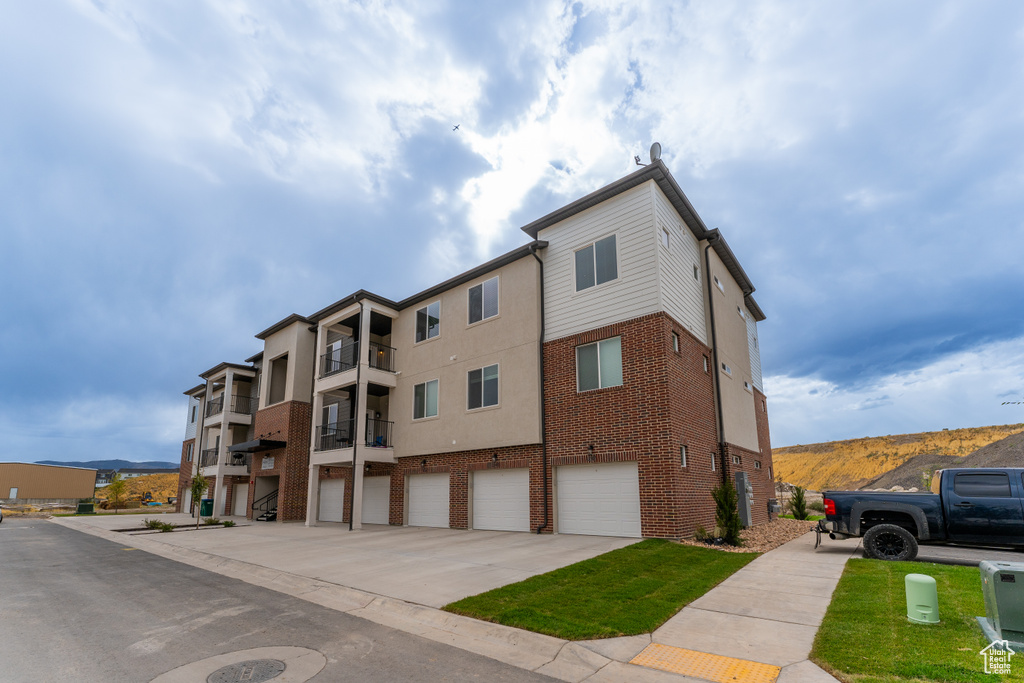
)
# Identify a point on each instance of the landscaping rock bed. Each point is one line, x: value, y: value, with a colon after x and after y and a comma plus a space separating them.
x: 761, y: 539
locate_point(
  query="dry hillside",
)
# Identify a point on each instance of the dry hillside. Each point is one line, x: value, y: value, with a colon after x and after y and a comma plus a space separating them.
x: 160, y: 485
x: 851, y: 464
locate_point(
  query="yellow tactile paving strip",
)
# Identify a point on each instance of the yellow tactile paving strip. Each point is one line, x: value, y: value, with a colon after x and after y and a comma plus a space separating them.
x: 702, y: 665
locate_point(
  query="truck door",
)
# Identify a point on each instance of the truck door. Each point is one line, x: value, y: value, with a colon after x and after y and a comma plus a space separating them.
x: 982, y: 507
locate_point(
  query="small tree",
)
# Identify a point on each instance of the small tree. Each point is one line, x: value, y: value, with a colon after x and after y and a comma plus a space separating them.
x: 116, y: 490
x: 798, y: 504
x: 727, y: 515
x: 196, y: 488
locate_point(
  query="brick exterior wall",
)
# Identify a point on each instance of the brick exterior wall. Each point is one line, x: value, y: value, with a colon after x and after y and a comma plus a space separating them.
x: 290, y: 422
x: 184, y: 473
x: 666, y: 401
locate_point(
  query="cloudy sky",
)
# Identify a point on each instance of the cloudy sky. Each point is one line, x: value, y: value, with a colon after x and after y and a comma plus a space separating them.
x: 177, y: 176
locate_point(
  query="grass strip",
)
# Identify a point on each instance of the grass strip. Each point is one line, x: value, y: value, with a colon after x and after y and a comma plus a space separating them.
x: 866, y: 636
x: 625, y: 592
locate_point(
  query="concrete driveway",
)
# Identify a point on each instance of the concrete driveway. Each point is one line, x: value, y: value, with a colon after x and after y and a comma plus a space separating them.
x: 431, y: 567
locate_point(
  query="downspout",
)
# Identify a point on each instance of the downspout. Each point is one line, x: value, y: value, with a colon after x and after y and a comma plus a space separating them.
x: 712, y: 237
x: 355, y: 425
x: 543, y: 407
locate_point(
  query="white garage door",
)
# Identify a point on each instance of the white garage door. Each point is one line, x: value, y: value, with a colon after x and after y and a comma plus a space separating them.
x: 376, y: 499
x: 501, y: 500
x: 428, y: 500
x: 240, y: 501
x: 332, y: 500
x: 599, y: 500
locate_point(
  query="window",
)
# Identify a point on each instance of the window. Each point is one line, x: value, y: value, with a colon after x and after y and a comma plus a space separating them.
x: 696, y: 272
x: 740, y: 313
x: 718, y: 284
x: 746, y: 385
x: 706, y: 364
x: 996, y: 485
x: 194, y: 409
x: 483, y: 301
x: 599, y: 365
x: 428, y: 321
x: 596, y: 263
x: 188, y: 453
x: 726, y: 369
x: 682, y: 456
x: 757, y: 464
x: 483, y: 387
x: 664, y: 237
x: 424, y: 401
x: 735, y: 460
x: 712, y: 462
x: 675, y: 342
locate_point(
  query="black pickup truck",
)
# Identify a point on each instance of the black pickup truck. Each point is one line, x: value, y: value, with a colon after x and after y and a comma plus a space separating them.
x: 977, y: 506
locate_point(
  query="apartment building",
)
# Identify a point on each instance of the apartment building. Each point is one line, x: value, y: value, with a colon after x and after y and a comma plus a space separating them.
x: 600, y: 379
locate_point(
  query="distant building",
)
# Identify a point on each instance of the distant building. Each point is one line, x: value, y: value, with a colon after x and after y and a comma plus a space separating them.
x: 30, y: 483
x: 131, y: 474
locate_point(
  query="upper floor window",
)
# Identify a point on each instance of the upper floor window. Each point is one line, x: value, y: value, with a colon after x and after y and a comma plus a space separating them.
x: 675, y: 342
x: 599, y: 365
x: 424, y: 402
x: 664, y: 238
x: 194, y: 410
x: 596, y: 263
x: 718, y: 283
x: 483, y: 387
x: 483, y: 301
x: 278, y: 379
x: 188, y: 454
x: 428, y: 321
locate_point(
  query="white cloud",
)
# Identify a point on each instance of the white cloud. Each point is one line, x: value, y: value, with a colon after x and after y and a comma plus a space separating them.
x: 964, y: 389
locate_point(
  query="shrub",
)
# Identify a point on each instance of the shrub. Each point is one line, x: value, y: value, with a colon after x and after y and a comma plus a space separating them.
x: 798, y: 504
x: 701, y: 534
x: 151, y: 523
x: 727, y: 516
x: 165, y: 526
x: 210, y: 521
x: 817, y: 506
x: 228, y: 522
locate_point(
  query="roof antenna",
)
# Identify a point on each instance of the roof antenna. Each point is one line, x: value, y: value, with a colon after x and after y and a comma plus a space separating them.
x: 655, y: 154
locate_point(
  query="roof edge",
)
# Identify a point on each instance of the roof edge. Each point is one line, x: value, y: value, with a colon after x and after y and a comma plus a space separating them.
x: 281, y: 324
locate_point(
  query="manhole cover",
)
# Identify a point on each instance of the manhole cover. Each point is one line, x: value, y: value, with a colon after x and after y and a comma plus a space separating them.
x: 252, y: 671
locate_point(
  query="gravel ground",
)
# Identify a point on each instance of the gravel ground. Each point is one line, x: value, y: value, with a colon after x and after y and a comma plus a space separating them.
x: 761, y: 539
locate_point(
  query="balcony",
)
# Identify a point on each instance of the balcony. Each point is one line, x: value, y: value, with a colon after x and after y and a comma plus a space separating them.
x: 241, y: 460
x: 382, y: 357
x: 378, y: 433
x: 244, y: 405
x: 215, y: 406
x: 335, y: 435
x: 339, y: 359
x: 208, y: 458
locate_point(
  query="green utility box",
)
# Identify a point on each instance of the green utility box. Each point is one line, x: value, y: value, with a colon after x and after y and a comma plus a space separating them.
x: 86, y: 509
x: 206, y: 507
x: 922, y: 599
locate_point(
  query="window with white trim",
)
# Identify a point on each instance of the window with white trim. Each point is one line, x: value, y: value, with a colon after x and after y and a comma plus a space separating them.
x: 188, y: 455
x: 713, y: 462
x: 757, y: 464
x: 740, y: 313
x: 682, y: 456
x: 596, y: 263
x: 483, y: 387
x: 718, y: 283
x: 664, y: 238
x: 726, y: 369
x: 424, y: 400
x: 194, y: 410
x: 675, y: 342
x: 428, y: 321
x: 599, y: 365
x: 735, y: 460
x: 696, y: 272
x: 483, y: 300
x: 746, y: 385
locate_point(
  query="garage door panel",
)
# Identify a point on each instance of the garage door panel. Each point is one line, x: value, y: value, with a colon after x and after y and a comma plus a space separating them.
x: 376, y: 499
x: 332, y: 500
x: 501, y: 500
x: 601, y: 500
x: 428, y: 500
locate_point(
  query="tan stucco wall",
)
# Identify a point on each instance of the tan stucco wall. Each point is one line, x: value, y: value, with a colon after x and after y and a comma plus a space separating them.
x: 738, y: 414
x: 46, y: 481
x: 510, y: 339
x: 299, y: 343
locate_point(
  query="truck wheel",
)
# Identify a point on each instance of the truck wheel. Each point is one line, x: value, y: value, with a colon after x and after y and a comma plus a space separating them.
x: 890, y: 542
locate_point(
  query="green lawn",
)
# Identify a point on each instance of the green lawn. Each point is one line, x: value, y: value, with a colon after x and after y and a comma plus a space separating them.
x: 625, y: 592
x: 867, y: 638
x: 810, y: 518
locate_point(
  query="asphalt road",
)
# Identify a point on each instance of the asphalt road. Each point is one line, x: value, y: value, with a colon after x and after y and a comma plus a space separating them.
x: 74, y: 607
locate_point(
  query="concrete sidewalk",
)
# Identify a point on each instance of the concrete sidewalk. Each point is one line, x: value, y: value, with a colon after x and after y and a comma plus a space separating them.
x: 767, y: 613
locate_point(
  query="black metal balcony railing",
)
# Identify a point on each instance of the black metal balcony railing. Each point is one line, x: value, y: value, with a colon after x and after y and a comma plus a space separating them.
x: 378, y: 433
x: 382, y: 357
x: 208, y: 457
x: 335, y: 435
x: 339, y: 359
x: 215, y: 405
x: 244, y: 405
x: 240, y: 459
